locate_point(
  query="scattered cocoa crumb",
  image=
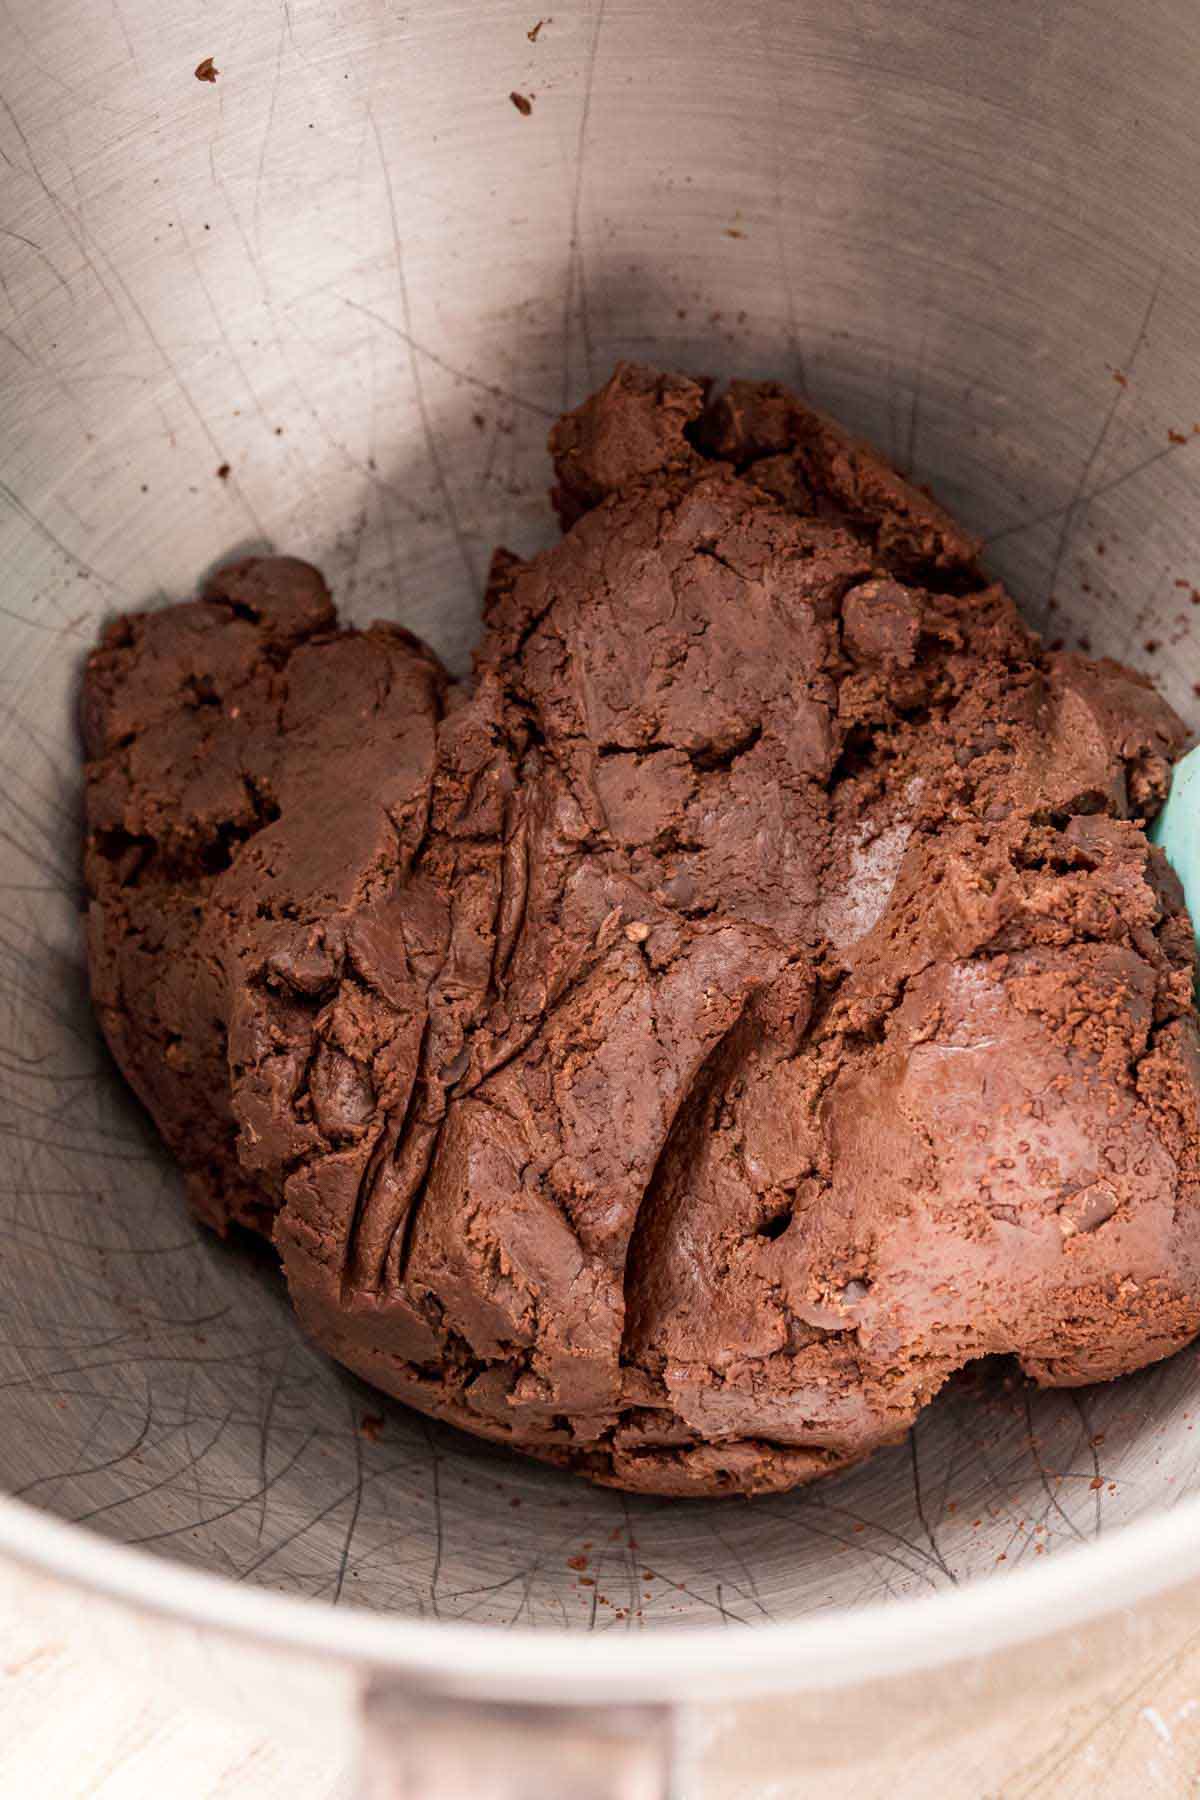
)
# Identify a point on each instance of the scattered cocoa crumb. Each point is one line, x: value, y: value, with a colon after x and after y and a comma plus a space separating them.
x: 1100, y: 549
x: 1177, y: 437
x: 207, y: 70
x: 532, y: 33
x: 1097, y: 1481
x: 1096, y: 1439
x: 577, y: 1562
x: 1121, y: 379
x: 223, y: 472
x: 1085, y: 644
x: 586, y: 1581
x: 371, y: 1426
x: 648, y: 1575
x: 1151, y: 645
x: 1056, y: 643
x: 732, y: 231
x: 514, y: 1501
x: 523, y: 104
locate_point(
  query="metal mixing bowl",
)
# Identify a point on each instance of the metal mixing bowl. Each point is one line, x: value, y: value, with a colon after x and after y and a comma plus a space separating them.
x: 352, y: 271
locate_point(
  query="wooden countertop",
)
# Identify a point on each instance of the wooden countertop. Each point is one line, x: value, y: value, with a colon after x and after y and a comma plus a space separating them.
x: 76, y: 1722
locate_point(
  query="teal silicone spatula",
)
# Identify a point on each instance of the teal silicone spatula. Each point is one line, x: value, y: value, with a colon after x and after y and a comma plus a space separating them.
x: 1177, y: 829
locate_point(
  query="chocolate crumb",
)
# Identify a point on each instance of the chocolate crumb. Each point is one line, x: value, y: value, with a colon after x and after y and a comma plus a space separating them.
x: 207, y: 70
x: 523, y: 104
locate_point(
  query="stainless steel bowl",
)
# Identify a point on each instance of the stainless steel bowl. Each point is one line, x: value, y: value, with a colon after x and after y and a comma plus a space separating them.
x: 352, y: 270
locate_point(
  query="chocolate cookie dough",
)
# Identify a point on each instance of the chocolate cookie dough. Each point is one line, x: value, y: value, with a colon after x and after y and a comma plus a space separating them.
x: 679, y: 1050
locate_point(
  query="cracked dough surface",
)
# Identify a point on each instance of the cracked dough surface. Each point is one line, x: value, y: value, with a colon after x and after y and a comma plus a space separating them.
x: 679, y: 1050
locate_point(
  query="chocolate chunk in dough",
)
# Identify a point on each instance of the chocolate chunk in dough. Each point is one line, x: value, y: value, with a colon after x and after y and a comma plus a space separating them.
x: 679, y: 1050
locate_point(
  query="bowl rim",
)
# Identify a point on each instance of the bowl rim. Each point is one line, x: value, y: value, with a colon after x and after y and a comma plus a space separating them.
x: 838, y: 1648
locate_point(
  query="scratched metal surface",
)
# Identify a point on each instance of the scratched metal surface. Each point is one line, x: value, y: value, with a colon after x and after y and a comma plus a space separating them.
x: 352, y: 270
